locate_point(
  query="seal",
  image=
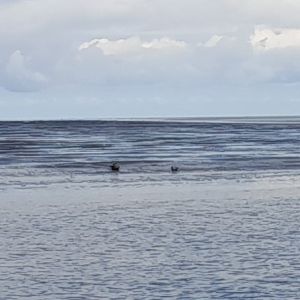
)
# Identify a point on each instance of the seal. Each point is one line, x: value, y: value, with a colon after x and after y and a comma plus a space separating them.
x: 174, y: 169
x: 115, y: 167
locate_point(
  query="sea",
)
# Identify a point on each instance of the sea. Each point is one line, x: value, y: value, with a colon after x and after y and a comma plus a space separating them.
x: 225, y: 226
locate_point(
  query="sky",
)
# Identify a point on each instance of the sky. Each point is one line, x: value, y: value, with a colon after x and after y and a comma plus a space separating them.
x: 86, y: 59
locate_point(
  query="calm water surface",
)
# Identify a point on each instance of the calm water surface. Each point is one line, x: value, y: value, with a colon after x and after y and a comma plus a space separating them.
x: 225, y: 227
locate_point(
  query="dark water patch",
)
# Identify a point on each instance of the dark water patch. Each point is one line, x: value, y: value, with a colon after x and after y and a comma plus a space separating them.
x: 151, y: 145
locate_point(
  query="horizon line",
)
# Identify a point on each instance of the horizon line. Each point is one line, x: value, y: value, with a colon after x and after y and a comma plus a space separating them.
x: 151, y: 118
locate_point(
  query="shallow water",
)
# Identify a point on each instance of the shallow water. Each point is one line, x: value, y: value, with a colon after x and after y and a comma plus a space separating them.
x: 223, y: 228
x: 218, y: 240
x: 88, y: 147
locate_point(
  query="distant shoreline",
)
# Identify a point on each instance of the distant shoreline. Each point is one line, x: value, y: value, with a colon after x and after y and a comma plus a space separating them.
x: 204, y: 119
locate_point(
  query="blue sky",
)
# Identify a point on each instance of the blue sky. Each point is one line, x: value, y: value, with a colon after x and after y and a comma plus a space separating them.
x: 142, y: 58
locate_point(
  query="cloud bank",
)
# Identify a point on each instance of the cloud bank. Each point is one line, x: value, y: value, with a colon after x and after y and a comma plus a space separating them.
x: 132, y: 45
x: 20, y: 77
x: 275, y: 38
x: 164, y: 54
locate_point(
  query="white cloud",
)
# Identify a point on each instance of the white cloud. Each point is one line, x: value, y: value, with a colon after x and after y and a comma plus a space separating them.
x: 213, y: 41
x: 147, y: 43
x: 275, y: 38
x: 132, y: 45
x: 20, y: 76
